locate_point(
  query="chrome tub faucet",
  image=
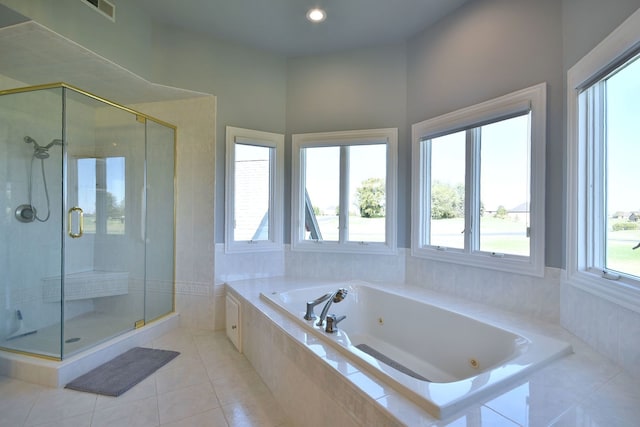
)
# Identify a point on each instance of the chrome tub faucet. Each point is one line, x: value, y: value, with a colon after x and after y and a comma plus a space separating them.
x: 310, y: 315
x: 336, y: 297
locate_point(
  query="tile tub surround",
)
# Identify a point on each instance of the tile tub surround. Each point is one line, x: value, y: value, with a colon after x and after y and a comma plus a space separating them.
x: 307, y: 377
x: 464, y: 359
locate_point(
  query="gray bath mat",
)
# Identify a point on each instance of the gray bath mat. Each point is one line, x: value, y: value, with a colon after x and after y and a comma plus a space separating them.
x: 120, y: 374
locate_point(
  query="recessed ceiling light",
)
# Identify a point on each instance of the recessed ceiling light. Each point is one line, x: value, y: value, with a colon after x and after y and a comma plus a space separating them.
x: 316, y: 15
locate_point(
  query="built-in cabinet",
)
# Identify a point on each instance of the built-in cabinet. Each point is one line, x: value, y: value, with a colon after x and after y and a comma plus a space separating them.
x: 232, y: 307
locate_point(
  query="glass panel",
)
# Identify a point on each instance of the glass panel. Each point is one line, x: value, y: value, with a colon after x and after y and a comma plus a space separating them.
x: 504, y: 186
x: 447, y: 190
x: 114, y: 195
x: 367, y: 178
x: 160, y: 221
x: 30, y: 226
x: 622, y: 156
x: 252, y: 192
x: 86, y: 170
x: 322, y: 188
x: 105, y: 267
x: 101, y: 188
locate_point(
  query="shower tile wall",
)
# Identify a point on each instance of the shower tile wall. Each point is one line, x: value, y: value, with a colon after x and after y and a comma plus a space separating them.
x: 31, y: 250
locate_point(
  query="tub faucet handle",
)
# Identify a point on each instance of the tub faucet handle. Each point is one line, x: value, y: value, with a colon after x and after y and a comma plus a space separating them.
x: 310, y: 315
x: 332, y: 323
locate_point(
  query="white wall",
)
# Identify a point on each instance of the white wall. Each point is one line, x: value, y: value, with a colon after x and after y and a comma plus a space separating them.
x: 358, y: 89
x: 250, y: 87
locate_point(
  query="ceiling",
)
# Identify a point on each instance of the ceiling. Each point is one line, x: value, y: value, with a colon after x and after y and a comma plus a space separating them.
x: 34, y: 55
x: 280, y: 26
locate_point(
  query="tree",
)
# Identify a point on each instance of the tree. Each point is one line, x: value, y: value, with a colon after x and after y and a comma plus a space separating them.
x: 501, y: 212
x: 446, y: 201
x: 370, y: 198
x: 114, y: 209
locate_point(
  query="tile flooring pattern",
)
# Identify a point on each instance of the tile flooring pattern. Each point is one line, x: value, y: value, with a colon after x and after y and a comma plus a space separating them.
x: 209, y: 384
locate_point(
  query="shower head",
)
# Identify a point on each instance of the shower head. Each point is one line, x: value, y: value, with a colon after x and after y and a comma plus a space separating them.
x: 41, y: 152
x: 54, y: 142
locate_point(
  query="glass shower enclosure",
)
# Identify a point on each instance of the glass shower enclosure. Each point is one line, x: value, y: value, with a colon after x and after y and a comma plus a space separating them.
x: 87, y: 227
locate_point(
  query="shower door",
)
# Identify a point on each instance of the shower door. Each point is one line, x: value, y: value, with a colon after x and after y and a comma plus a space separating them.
x: 104, y: 220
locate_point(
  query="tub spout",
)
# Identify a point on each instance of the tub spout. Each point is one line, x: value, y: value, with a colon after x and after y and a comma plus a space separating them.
x: 332, y: 323
x: 310, y: 315
x: 336, y: 297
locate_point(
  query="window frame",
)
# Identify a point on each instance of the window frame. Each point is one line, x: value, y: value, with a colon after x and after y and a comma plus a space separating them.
x: 533, y: 100
x: 344, y: 138
x: 274, y: 141
x: 583, y: 223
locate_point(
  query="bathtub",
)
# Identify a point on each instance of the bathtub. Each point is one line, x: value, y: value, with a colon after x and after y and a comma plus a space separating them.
x: 440, y: 359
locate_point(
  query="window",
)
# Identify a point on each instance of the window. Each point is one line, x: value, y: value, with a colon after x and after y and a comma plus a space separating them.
x: 603, y: 206
x: 254, y: 190
x: 101, y: 193
x: 478, y: 184
x: 344, y: 191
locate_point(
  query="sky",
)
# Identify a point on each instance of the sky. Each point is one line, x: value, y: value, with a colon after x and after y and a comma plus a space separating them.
x: 323, y: 172
x: 87, y: 181
x: 623, y: 139
x: 505, y: 159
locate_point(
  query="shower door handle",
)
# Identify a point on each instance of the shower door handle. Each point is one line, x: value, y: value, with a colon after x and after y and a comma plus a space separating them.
x: 80, y: 222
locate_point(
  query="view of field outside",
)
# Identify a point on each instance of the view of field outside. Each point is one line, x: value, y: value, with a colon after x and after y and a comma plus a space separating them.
x: 623, y: 158
x: 504, y: 188
x: 366, y: 175
x: 107, y: 177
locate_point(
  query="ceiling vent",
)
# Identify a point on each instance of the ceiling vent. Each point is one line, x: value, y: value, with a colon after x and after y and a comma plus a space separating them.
x: 106, y: 8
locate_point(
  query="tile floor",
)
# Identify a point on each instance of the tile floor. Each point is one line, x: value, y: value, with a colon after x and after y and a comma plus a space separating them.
x: 209, y: 384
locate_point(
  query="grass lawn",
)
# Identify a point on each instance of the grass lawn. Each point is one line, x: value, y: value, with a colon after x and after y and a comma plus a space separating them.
x: 360, y: 229
x: 506, y: 235
x: 114, y: 226
x: 620, y: 255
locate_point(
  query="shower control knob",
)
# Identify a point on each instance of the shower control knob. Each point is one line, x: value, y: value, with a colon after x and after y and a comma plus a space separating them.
x: 25, y: 213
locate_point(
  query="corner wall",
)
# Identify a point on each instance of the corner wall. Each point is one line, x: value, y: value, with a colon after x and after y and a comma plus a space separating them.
x: 609, y: 328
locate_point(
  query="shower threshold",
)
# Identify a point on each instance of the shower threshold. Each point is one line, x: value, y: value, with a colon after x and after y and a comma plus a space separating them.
x: 58, y: 373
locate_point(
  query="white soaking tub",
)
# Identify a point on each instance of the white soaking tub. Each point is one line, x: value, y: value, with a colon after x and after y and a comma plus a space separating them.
x: 440, y: 359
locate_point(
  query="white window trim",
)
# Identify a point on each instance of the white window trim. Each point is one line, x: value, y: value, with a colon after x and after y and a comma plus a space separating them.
x: 354, y: 137
x: 276, y: 220
x: 511, y: 105
x: 621, y: 290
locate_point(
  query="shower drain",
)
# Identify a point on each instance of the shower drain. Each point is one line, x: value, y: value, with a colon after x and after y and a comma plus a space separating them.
x: 70, y: 340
